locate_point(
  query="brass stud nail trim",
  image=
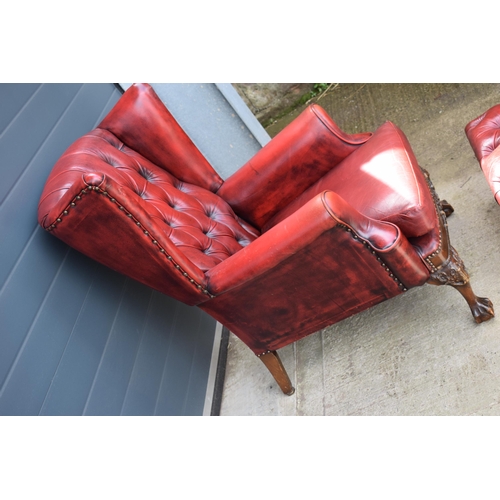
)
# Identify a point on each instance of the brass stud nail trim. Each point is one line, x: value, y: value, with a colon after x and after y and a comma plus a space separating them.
x: 373, y: 252
x: 72, y: 204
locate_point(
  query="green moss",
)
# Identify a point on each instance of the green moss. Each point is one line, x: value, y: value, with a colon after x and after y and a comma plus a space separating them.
x: 318, y: 88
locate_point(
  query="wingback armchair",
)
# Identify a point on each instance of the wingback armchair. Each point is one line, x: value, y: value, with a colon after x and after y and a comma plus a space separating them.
x: 319, y: 225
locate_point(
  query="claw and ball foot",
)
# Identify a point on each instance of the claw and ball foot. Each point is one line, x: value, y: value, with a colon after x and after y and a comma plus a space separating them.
x: 481, y: 307
x: 446, y: 208
x: 447, y: 268
x: 452, y: 272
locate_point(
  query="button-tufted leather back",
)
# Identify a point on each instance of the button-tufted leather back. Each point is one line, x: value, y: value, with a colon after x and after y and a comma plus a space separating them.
x: 484, y: 132
x: 484, y: 136
x: 199, y: 223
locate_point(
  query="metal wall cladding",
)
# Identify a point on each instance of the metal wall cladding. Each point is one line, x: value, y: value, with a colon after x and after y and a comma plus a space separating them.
x: 75, y: 337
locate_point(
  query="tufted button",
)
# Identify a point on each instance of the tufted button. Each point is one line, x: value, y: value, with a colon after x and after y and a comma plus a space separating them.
x: 484, y: 132
x: 197, y: 221
x: 140, y: 192
x: 145, y: 173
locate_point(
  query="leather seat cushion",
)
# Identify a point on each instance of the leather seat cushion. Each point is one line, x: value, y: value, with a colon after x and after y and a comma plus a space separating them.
x: 382, y: 180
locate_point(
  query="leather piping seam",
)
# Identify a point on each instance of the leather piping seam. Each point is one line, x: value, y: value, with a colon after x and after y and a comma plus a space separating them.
x: 377, y: 256
x: 429, y: 258
x: 263, y: 353
x: 154, y: 241
x: 440, y: 217
x: 340, y: 134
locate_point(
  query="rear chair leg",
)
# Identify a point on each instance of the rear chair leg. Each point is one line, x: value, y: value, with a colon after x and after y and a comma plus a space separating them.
x: 447, y: 268
x: 275, y: 366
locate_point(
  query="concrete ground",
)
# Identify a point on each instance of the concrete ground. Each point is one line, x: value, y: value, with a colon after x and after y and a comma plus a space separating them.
x: 419, y: 353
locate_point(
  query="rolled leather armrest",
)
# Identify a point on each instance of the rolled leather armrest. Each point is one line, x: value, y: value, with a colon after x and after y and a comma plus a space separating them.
x: 323, y: 213
x: 284, y: 168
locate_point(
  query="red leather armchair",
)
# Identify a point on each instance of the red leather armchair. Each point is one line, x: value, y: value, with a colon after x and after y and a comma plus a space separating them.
x: 319, y: 225
x: 484, y: 136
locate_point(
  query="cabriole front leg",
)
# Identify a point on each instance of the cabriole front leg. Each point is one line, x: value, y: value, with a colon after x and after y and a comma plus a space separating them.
x: 453, y: 273
x: 447, y: 268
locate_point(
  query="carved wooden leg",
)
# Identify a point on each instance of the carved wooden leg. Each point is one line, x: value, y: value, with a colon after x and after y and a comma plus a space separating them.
x: 275, y: 366
x: 447, y: 268
x: 452, y: 272
x: 446, y: 208
x: 481, y: 307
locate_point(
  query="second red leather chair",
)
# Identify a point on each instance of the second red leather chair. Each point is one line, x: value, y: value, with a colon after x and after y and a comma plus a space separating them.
x: 484, y: 136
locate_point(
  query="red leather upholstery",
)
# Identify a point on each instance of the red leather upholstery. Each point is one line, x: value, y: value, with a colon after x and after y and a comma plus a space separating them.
x: 381, y: 180
x: 484, y: 136
x: 189, y: 226
x: 347, y: 220
x: 324, y: 263
x: 298, y: 156
x: 144, y: 124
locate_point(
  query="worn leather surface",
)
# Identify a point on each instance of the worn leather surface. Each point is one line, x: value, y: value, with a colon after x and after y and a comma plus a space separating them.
x: 298, y: 156
x: 194, y: 224
x: 141, y: 121
x: 319, y: 266
x: 382, y: 180
x: 484, y: 136
x: 343, y: 217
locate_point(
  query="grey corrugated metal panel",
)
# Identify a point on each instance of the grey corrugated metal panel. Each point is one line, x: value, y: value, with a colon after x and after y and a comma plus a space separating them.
x: 23, y: 294
x: 144, y: 385
x: 217, y: 374
x: 13, y: 97
x: 18, y: 211
x: 112, y: 100
x: 31, y: 258
x: 58, y: 345
x: 151, y: 362
x: 16, y: 149
x: 211, y: 123
x: 243, y: 111
x: 34, y: 365
x: 75, y: 373
x: 171, y: 367
x: 175, y: 390
x: 115, y: 369
x: 194, y: 399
